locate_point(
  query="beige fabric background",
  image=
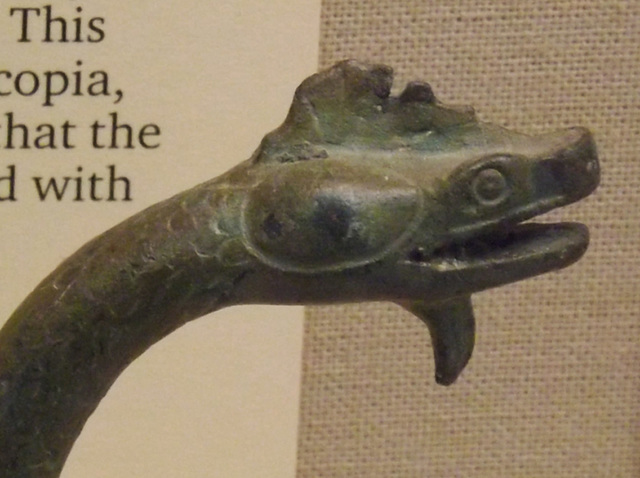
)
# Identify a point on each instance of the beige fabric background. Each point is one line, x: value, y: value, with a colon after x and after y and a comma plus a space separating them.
x: 553, y: 387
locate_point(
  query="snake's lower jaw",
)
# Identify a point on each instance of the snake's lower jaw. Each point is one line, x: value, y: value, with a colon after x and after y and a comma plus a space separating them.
x: 451, y: 325
x: 511, y: 253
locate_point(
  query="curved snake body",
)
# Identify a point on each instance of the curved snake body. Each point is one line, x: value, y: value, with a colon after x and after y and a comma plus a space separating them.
x: 359, y: 195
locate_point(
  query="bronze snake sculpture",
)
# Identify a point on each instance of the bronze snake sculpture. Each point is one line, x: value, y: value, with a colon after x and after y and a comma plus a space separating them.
x: 359, y: 196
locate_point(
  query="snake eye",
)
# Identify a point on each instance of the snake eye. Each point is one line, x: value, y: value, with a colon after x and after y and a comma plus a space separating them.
x: 490, y: 187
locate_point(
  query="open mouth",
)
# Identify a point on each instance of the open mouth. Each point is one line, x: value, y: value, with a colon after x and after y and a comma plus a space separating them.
x: 548, y: 246
x: 509, y: 247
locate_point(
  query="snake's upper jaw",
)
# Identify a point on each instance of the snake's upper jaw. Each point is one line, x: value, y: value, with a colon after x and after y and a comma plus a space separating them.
x: 451, y: 325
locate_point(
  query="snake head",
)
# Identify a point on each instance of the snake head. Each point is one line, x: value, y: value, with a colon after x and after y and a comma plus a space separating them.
x: 369, y: 196
x: 356, y: 176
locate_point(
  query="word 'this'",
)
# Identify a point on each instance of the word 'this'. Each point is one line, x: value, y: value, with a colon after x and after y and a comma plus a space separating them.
x: 41, y: 24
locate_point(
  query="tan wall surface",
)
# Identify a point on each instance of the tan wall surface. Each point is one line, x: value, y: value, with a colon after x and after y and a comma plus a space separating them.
x: 553, y: 387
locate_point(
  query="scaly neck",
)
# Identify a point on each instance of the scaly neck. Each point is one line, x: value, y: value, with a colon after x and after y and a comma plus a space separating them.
x: 67, y: 343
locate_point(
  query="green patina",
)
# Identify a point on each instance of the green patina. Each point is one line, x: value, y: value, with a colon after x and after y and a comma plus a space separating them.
x: 359, y: 196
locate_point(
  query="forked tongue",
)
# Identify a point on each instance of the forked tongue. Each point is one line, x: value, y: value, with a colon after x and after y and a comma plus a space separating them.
x: 452, y: 328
